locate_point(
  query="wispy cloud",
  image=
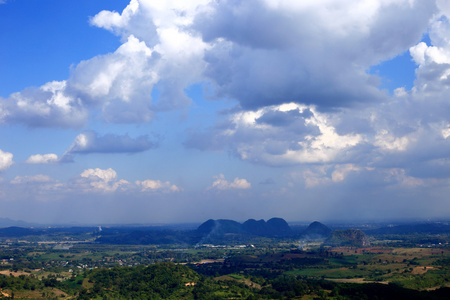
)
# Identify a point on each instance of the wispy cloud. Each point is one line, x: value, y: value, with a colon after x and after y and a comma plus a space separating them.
x: 90, y: 142
x: 91, y: 181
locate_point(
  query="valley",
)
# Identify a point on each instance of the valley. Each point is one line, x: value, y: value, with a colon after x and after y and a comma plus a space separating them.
x: 217, y: 261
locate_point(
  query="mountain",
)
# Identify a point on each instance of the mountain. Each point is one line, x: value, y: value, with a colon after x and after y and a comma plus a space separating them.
x: 219, y: 227
x: 254, y: 227
x: 275, y: 227
x: 278, y: 227
x: 271, y: 228
x: 211, y: 231
x: 348, y: 237
x: 316, y: 230
x: 7, y: 222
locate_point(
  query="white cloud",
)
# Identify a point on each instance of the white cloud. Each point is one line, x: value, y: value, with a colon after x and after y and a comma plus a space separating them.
x: 220, y: 183
x: 42, y: 159
x: 285, y: 54
x: 50, y: 105
x: 90, y: 142
x: 439, y: 31
x: 144, y: 18
x: 99, y: 180
x: 400, y: 177
x: 93, y: 184
x: 315, y: 177
x: 386, y: 141
x: 423, y: 54
x: 327, y: 174
x: 446, y: 132
x: 283, y: 57
x: 173, y: 58
x: 118, y: 86
x: 110, y: 20
x: 6, y: 160
x: 106, y: 181
x: 154, y: 185
x: 278, y: 135
x: 341, y: 171
x: 298, y: 74
x: 325, y: 147
x: 360, y: 180
x: 104, y: 175
x: 434, y: 60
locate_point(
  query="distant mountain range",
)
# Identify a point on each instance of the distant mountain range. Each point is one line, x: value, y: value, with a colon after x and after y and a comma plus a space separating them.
x: 275, y: 227
x: 220, y: 231
x: 214, y: 232
x: 7, y: 222
x: 16, y: 232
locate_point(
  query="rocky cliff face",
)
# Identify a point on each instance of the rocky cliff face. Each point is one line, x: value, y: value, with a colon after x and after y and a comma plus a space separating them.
x: 349, y: 237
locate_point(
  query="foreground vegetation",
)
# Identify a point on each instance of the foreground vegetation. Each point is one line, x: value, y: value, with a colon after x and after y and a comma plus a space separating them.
x: 393, y: 267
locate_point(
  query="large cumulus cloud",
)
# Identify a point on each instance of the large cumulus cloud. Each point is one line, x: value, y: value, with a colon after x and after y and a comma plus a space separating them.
x: 270, y: 52
x: 297, y: 74
x: 278, y: 135
x: 257, y: 52
x: 343, y: 124
x: 47, y: 106
x: 118, y: 86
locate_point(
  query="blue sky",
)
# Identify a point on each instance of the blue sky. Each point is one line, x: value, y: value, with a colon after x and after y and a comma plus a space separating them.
x: 180, y: 111
x: 41, y: 47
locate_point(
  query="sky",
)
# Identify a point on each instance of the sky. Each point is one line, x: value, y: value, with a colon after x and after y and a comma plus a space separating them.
x: 171, y: 111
